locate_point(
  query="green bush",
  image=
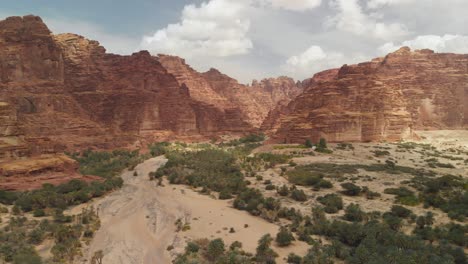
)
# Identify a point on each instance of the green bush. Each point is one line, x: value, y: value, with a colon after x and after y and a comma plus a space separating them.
x: 284, y: 237
x: 351, y: 189
x: 353, y: 213
x: 158, y: 149
x: 215, y: 249
x: 404, y: 195
x: 107, y: 164
x: 332, y: 203
x: 283, y: 190
x: 298, y: 195
x: 401, y: 211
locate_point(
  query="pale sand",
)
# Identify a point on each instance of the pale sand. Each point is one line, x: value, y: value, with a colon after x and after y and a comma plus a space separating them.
x: 138, y: 221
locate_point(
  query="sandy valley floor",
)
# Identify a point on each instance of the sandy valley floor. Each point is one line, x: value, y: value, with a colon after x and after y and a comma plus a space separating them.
x: 138, y: 221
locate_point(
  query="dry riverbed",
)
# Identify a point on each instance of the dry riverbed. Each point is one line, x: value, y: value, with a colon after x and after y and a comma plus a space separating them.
x: 138, y: 221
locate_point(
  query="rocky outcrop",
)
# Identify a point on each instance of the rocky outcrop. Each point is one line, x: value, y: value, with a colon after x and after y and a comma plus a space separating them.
x: 255, y: 100
x: 247, y: 103
x: 64, y: 92
x: 385, y: 99
x: 32, y: 173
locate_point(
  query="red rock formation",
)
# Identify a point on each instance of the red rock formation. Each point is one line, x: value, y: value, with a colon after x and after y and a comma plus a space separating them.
x: 248, y: 103
x: 385, y: 99
x: 256, y: 100
x: 32, y: 173
x: 64, y: 92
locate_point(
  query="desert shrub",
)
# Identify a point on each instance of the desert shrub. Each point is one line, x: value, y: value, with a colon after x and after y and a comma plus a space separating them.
x: 215, y: 249
x: 353, y: 213
x: 303, y: 176
x: 273, y: 159
x: 158, y: 149
x: 308, y: 144
x: 332, y: 203
x: 252, y: 201
x: 403, y: 195
x: 283, y: 190
x: 294, y: 259
x: 225, y: 195
x: 192, y: 247
x: 351, y: 189
x: 298, y: 195
x: 400, y: 211
x: 393, y: 221
x: 322, y: 146
x: 380, y: 153
x: 284, y: 237
x: 270, y: 187
x: 264, y: 253
x: 345, y: 146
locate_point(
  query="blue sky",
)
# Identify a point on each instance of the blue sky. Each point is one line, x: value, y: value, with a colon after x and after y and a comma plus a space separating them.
x: 253, y: 39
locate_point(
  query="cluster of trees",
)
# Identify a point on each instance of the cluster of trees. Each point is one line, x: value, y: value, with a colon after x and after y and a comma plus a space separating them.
x: 303, y: 176
x: 213, y: 169
x: 20, y: 236
x: 374, y: 241
x: 59, y: 197
x: 213, y: 251
x: 216, y: 251
x: 158, y: 149
x: 448, y: 193
x: 265, y: 161
x: 293, y: 192
x: 249, y: 139
x: 107, y: 164
x: 253, y: 201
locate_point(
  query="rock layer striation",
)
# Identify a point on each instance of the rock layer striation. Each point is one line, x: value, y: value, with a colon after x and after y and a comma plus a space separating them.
x: 384, y: 99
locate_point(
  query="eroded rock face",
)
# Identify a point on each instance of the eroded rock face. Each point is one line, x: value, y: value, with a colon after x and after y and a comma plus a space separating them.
x: 385, y: 99
x: 68, y: 93
x: 257, y: 99
x: 249, y: 104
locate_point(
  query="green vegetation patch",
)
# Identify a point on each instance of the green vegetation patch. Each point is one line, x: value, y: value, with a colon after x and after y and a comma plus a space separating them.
x: 213, y: 169
x: 107, y: 164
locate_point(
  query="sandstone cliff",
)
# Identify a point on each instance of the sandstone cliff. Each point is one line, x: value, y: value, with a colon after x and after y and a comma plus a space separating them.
x: 385, y: 99
x: 64, y: 92
x: 250, y: 103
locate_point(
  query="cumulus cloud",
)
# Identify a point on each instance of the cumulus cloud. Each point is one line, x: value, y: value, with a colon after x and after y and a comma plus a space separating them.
x: 352, y: 18
x: 314, y: 60
x: 445, y: 43
x: 216, y: 28
x: 294, y: 5
x: 380, y: 3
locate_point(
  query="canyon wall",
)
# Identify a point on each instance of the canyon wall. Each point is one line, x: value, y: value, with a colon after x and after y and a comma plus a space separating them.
x: 385, y: 99
x: 67, y: 93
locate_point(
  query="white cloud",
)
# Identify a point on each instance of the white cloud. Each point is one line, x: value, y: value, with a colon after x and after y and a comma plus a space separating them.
x: 445, y: 43
x: 380, y: 3
x: 217, y: 28
x: 294, y: 5
x: 351, y: 18
x: 314, y: 60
